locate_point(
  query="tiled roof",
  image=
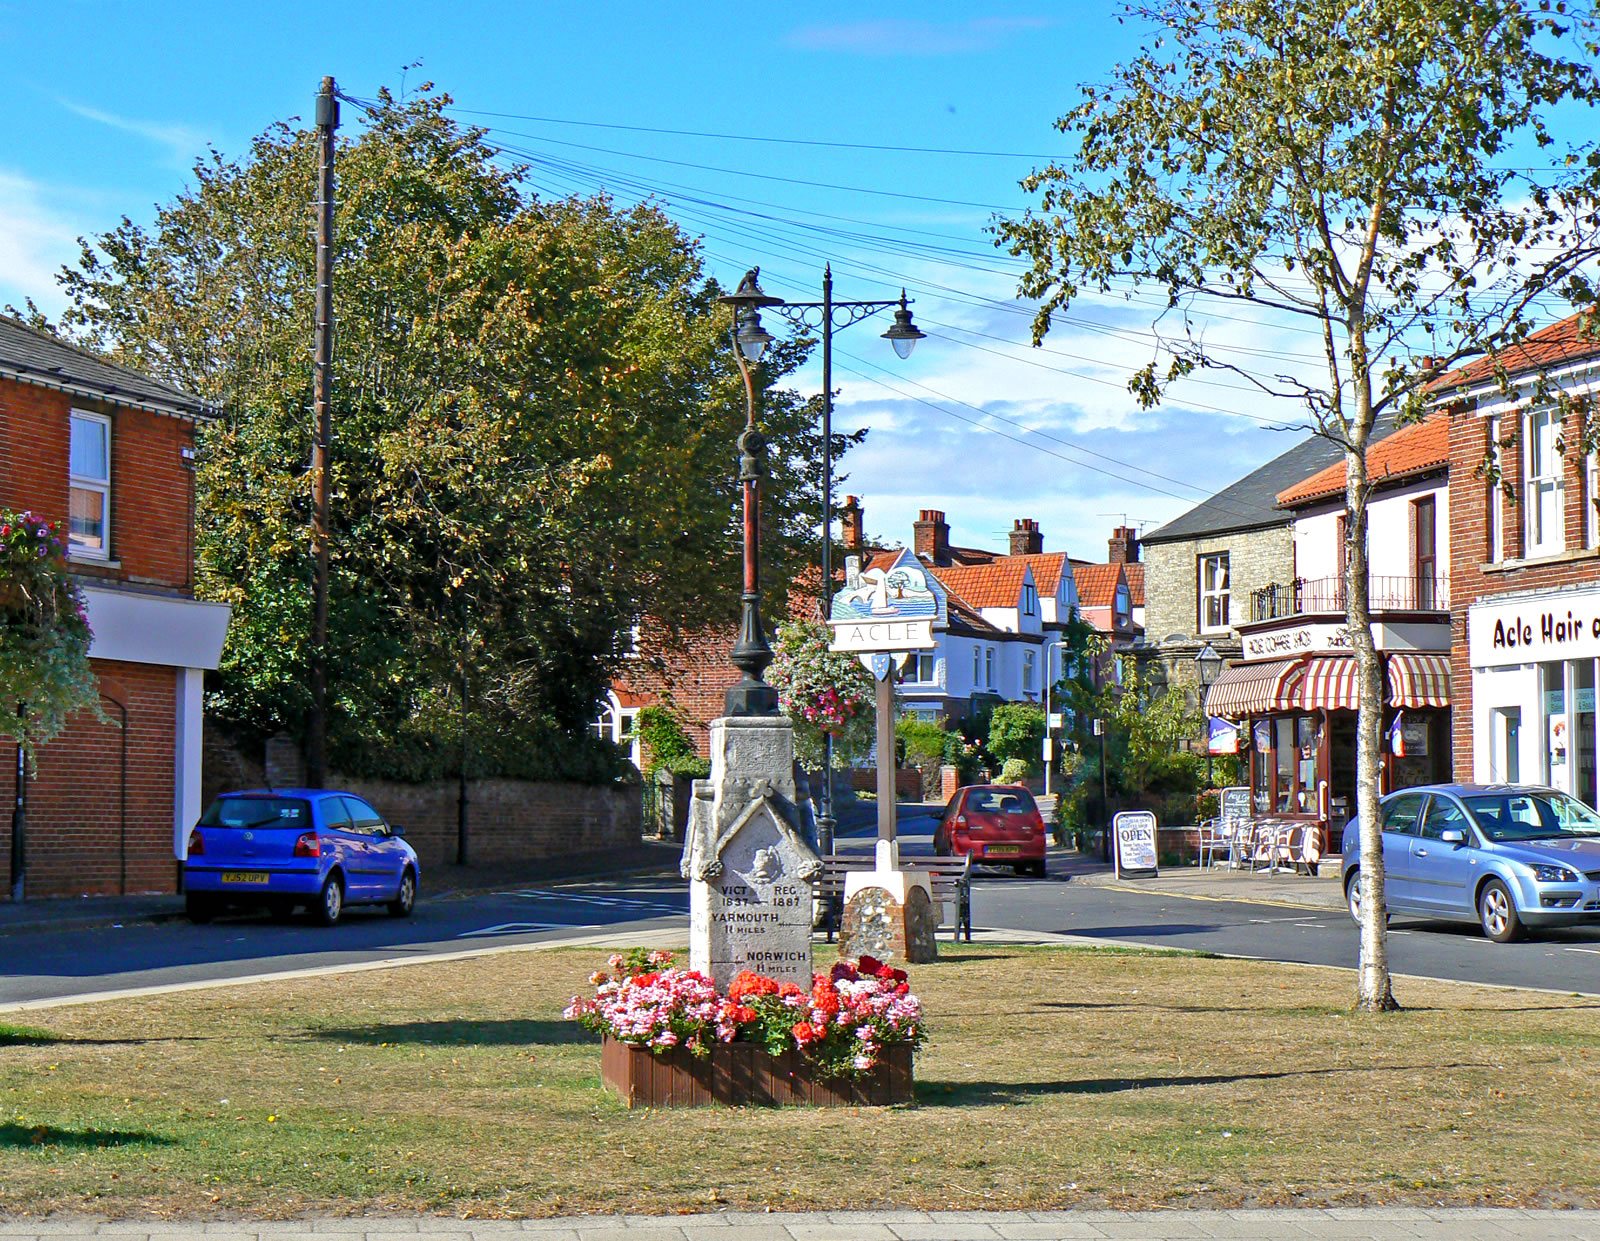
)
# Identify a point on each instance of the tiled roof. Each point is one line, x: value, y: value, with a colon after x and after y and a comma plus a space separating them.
x: 1097, y: 584
x: 35, y: 357
x: 994, y: 585
x: 1134, y: 572
x: 1047, y: 567
x: 1420, y: 448
x: 1571, y: 340
x: 1252, y: 502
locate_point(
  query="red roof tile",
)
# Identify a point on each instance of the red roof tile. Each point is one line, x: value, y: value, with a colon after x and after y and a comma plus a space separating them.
x: 994, y: 585
x: 1134, y: 572
x: 1418, y: 449
x: 1097, y: 583
x: 1572, y: 339
x: 1047, y: 567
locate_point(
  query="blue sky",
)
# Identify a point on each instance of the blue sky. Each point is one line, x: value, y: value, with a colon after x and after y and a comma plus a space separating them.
x: 112, y: 100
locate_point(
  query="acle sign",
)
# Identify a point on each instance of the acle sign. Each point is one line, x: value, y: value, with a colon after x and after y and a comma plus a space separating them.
x: 1532, y: 630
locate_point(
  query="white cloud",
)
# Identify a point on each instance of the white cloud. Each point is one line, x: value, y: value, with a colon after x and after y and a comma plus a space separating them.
x: 37, y: 235
x: 182, y: 142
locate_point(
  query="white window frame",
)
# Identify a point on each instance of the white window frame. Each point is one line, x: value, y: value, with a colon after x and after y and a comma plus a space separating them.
x: 1030, y: 599
x: 1591, y: 495
x: 977, y: 666
x: 1204, y: 595
x: 81, y: 482
x: 923, y: 663
x: 1496, y: 501
x: 988, y: 667
x: 1027, y: 672
x: 1538, y: 482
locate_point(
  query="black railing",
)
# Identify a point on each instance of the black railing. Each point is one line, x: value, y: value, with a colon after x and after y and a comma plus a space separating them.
x: 1311, y: 596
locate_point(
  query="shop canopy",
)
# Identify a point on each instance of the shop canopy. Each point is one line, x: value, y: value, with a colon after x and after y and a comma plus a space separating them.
x: 1325, y: 683
x: 1417, y: 680
x: 1254, y: 689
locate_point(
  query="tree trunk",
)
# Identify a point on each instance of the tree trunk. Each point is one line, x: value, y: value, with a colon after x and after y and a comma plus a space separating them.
x: 1373, y: 994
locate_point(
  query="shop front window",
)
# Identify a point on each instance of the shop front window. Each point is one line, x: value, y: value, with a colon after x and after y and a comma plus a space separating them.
x: 1583, y: 733
x: 1557, y: 747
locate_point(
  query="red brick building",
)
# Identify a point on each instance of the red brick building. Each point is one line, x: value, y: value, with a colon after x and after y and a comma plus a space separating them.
x: 1525, y: 573
x: 109, y: 453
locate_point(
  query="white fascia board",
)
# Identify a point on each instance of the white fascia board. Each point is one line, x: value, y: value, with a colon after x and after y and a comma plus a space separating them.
x: 137, y: 628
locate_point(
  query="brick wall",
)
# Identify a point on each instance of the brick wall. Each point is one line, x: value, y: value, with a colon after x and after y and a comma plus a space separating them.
x: 74, y: 800
x: 695, y: 674
x: 150, y: 484
x: 507, y: 820
x: 1472, y: 577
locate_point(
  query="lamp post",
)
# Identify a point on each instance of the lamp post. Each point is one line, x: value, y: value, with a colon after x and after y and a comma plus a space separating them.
x: 1049, y: 684
x: 750, y: 654
x: 1208, y: 665
x: 829, y: 315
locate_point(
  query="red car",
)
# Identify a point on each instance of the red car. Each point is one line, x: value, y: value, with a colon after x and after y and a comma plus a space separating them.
x: 994, y: 823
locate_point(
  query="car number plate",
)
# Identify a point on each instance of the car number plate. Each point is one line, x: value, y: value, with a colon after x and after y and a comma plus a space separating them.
x: 1003, y: 850
x: 245, y: 876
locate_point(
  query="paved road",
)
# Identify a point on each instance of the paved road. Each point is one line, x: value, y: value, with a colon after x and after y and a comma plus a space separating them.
x: 1292, y: 1225
x: 45, y: 965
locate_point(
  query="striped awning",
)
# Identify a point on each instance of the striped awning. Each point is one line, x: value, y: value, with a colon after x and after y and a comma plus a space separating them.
x: 1253, y: 689
x: 1329, y: 684
x: 1417, y: 680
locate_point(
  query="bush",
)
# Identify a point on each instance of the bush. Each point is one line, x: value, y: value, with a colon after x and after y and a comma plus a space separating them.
x: 1016, y: 730
x: 666, y: 741
x: 1014, y: 771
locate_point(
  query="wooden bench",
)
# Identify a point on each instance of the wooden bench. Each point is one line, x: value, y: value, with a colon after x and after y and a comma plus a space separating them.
x: 950, y: 878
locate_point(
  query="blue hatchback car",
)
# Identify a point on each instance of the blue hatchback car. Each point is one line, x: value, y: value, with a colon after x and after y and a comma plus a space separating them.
x: 1505, y: 856
x: 283, y: 848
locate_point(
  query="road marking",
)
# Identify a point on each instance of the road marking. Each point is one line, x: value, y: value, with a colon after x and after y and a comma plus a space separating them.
x: 517, y: 928
x: 1596, y: 951
x: 608, y: 902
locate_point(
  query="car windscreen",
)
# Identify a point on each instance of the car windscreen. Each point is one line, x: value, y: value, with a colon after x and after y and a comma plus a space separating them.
x: 1000, y: 801
x: 262, y: 811
x: 1507, y: 817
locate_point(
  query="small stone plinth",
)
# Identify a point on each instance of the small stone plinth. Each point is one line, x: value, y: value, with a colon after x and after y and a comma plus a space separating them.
x: 742, y: 1074
x: 877, y: 925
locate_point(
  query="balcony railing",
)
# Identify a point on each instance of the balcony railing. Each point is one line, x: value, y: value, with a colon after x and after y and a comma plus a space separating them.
x: 1310, y: 596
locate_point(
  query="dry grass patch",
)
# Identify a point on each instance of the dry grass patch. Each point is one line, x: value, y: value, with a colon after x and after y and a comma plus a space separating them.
x: 1054, y: 1077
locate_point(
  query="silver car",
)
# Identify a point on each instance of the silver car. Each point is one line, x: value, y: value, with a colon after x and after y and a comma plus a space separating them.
x: 1506, y: 856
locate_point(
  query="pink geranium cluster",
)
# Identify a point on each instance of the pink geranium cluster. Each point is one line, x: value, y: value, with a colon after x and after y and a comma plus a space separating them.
x: 843, y: 1022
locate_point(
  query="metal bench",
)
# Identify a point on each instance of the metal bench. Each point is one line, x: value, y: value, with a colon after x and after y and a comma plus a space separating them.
x: 949, y: 878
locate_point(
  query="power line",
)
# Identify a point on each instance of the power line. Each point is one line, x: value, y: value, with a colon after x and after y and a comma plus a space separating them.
x: 804, y: 142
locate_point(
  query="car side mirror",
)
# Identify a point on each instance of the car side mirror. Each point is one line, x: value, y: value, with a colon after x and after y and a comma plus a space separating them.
x: 396, y: 830
x: 1453, y: 836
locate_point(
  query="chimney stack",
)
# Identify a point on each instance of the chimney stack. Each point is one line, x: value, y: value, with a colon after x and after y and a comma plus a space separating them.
x: 1026, y: 540
x: 1123, y: 545
x: 851, y: 524
x: 931, y: 537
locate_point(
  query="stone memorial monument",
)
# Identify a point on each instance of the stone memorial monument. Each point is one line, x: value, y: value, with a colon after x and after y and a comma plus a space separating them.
x: 750, y: 869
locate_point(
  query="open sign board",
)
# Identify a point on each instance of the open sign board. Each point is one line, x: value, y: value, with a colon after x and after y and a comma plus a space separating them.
x: 1135, y: 853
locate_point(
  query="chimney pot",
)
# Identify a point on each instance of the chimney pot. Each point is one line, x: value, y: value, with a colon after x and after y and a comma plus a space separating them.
x: 852, y: 524
x: 931, y: 537
x: 1026, y: 538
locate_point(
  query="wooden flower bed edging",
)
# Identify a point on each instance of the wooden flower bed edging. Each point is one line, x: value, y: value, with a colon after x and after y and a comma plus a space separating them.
x: 742, y: 1073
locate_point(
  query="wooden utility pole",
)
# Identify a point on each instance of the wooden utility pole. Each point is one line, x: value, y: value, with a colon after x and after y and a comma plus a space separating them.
x: 322, y: 396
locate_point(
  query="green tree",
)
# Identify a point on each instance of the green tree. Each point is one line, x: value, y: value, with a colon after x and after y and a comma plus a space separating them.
x: 535, y: 409
x: 45, y: 677
x: 1361, y: 169
x: 1016, y: 730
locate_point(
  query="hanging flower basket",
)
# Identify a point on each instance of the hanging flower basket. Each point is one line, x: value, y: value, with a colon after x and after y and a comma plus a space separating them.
x: 670, y: 1040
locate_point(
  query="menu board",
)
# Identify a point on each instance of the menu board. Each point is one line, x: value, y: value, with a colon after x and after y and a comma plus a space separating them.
x: 1135, y: 834
x: 1235, y: 808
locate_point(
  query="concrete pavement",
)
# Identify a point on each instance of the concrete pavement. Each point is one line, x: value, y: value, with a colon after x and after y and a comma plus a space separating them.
x: 1307, y: 1224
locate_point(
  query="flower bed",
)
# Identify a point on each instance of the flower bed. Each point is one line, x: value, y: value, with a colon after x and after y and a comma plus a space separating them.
x: 850, y: 1037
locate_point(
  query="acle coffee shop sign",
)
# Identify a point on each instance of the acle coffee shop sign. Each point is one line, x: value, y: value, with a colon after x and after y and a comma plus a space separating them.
x: 1532, y: 629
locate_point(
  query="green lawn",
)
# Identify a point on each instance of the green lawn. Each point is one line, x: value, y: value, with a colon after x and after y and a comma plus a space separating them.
x: 1053, y: 1077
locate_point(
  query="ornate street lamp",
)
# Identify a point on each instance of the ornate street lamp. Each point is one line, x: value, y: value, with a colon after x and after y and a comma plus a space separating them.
x: 751, y: 654
x: 903, y: 335
x: 1208, y: 666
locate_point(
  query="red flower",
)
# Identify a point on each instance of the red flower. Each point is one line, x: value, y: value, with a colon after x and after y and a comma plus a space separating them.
x: 868, y: 965
x: 789, y: 989
x: 748, y: 983
x: 804, y: 1035
x: 841, y: 971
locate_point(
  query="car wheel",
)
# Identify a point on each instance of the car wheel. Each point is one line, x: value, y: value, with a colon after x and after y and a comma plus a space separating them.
x: 330, y: 904
x: 1352, y: 896
x: 405, y: 898
x: 1497, y: 912
x: 941, y: 846
x: 1039, y: 871
x: 200, y: 907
